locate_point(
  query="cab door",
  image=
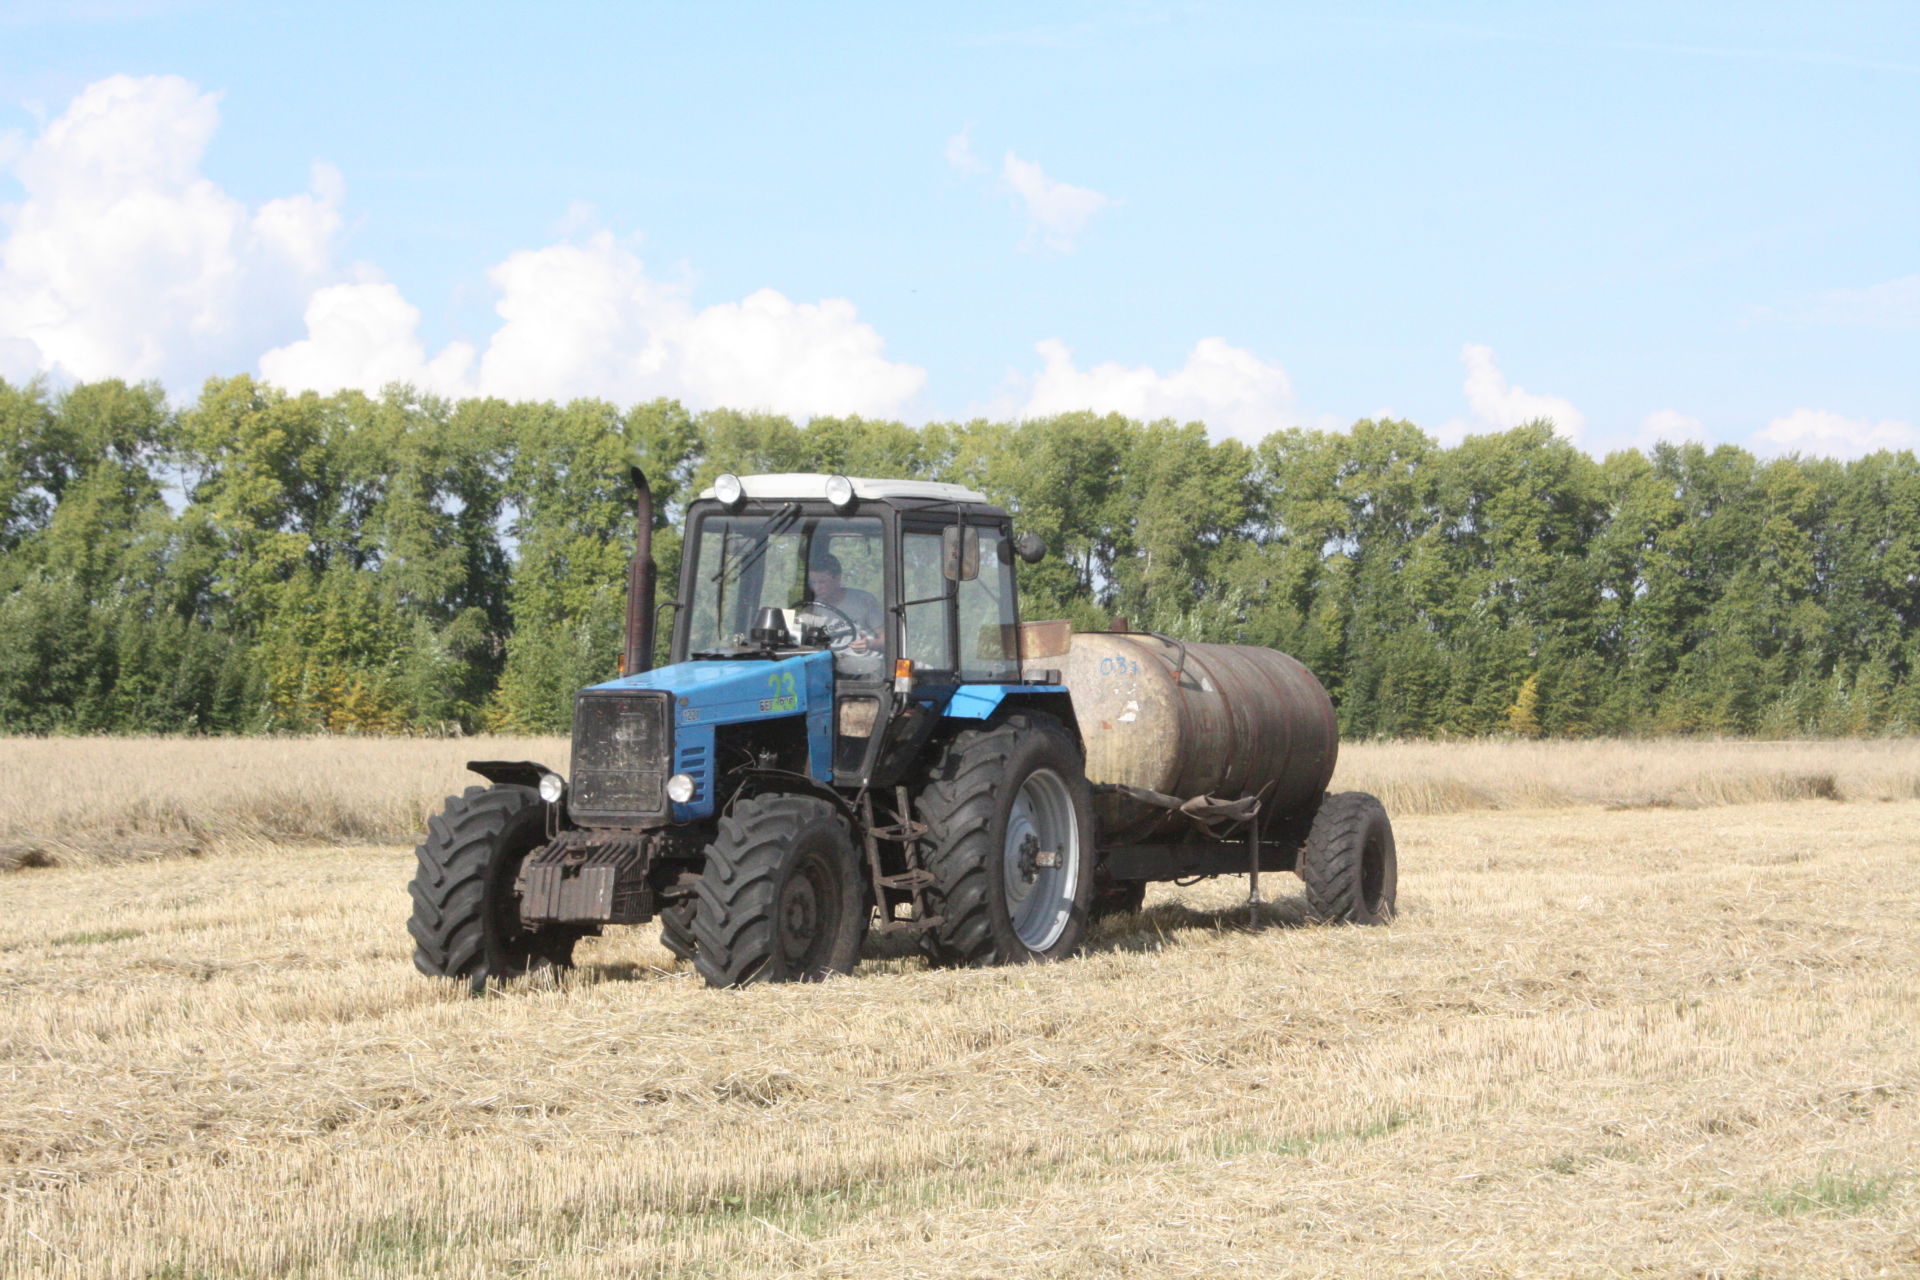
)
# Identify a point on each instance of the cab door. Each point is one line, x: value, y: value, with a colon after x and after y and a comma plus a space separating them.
x: 921, y: 621
x: 986, y: 613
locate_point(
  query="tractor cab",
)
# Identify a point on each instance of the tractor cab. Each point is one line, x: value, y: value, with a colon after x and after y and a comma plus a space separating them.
x: 906, y: 586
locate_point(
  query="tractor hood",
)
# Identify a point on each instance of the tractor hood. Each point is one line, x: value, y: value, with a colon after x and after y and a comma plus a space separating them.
x: 711, y: 694
x: 730, y: 690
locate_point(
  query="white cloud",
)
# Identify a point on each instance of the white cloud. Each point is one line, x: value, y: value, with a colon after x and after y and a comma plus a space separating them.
x: 1057, y: 212
x: 364, y: 336
x: 1816, y: 431
x: 1230, y: 389
x: 19, y: 359
x: 579, y: 319
x: 1662, y: 425
x: 124, y: 260
x: 960, y: 154
x: 583, y: 318
x: 1669, y: 426
x: 1497, y: 403
x: 1894, y: 304
x: 794, y: 357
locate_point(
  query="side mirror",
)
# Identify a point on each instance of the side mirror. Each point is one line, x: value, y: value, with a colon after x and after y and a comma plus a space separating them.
x: 960, y: 553
x: 1029, y: 548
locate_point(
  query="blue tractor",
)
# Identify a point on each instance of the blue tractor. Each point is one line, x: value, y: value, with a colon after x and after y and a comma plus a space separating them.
x: 845, y: 738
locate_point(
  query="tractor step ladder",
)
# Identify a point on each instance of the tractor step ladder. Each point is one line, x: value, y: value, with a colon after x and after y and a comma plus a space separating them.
x: 908, y: 834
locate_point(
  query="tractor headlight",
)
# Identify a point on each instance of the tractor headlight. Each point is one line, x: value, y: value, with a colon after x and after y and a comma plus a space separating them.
x: 839, y: 492
x: 680, y: 788
x: 552, y: 787
x: 729, y: 490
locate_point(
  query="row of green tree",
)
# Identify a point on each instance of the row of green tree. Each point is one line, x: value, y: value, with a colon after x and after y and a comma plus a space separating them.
x: 266, y: 562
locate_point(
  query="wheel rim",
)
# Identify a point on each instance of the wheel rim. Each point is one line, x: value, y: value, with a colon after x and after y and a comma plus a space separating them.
x: 1040, y: 897
x: 804, y: 907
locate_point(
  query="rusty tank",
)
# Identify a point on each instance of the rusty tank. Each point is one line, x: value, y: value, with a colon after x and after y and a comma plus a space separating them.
x: 1187, y: 720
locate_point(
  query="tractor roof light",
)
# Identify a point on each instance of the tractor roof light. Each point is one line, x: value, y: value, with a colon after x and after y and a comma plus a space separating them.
x: 730, y: 491
x: 840, y: 493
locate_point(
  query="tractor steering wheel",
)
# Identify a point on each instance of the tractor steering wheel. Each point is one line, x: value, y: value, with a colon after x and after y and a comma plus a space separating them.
x: 838, y: 636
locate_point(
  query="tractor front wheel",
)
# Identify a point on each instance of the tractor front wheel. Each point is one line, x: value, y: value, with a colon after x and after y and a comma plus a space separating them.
x: 676, y: 928
x: 780, y: 897
x: 466, y: 914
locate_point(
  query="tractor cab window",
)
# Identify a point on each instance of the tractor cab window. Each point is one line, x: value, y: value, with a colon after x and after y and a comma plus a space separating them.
x: 989, y: 627
x: 988, y: 624
x: 826, y: 573
x: 924, y: 589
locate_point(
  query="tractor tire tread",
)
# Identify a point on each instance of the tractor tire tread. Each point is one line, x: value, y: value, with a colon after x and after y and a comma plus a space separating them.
x: 958, y: 808
x: 959, y: 805
x: 676, y: 929
x: 734, y: 930
x: 449, y: 888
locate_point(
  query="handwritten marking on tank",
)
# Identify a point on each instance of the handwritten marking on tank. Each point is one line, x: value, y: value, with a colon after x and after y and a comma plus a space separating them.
x: 1131, y: 714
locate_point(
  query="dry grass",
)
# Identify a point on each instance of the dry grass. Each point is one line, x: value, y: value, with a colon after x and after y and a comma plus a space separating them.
x: 66, y: 800
x: 1454, y: 777
x: 76, y: 800
x: 1674, y: 1042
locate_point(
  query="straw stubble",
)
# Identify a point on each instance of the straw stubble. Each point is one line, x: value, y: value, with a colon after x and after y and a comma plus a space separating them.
x: 1674, y: 1041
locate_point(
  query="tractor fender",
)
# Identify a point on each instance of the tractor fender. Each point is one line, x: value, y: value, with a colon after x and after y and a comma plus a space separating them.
x: 788, y: 780
x: 989, y: 702
x: 513, y: 773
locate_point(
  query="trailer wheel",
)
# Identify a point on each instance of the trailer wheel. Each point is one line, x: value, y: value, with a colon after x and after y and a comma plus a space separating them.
x: 466, y: 915
x: 1349, y: 863
x: 780, y: 897
x: 1010, y: 834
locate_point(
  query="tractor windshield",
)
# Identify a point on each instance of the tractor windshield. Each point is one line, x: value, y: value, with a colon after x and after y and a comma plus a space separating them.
x: 826, y: 571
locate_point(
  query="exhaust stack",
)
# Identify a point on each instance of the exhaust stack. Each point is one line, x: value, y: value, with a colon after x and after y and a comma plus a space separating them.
x: 640, y: 584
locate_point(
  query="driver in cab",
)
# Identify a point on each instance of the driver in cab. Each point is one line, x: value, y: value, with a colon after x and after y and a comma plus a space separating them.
x: 854, y: 606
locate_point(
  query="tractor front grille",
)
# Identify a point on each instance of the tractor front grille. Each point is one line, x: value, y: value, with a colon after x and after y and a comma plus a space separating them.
x: 622, y: 748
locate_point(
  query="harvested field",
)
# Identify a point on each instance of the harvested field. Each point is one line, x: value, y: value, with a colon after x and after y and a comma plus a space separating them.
x: 65, y: 800
x: 130, y: 799
x: 1639, y: 1040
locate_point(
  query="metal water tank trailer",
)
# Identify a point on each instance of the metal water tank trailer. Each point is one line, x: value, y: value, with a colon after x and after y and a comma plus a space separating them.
x: 1187, y: 719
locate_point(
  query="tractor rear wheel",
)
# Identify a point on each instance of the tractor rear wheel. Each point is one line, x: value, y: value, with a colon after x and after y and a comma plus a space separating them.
x: 1349, y: 863
x: 466, y: 914
x: 780, y: 898
x: 1009, y: 820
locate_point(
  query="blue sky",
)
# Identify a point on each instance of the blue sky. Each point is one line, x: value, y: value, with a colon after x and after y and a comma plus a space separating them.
x: 1640, y: 220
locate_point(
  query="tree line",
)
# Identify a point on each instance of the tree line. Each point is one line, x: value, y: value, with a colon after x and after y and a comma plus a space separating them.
x: 266, y: 562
